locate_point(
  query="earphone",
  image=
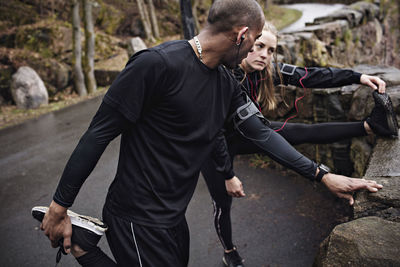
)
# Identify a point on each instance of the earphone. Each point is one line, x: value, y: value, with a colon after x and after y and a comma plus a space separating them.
x: 241, y: 40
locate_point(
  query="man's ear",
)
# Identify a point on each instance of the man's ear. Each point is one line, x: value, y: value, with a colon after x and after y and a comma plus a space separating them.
x: 241, y: 35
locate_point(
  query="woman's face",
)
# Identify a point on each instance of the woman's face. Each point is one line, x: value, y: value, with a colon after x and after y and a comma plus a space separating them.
x: 261, y: 53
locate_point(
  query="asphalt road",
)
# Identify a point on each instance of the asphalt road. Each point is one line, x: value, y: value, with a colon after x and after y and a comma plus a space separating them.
x: 310, y: 11
x: 280, y: 223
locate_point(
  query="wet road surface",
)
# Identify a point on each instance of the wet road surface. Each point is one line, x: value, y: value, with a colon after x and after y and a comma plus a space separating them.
x: 310, y: 11
x: 280, y: 223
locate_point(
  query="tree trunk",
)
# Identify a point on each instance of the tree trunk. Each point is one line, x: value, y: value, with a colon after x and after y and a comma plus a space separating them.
x: 187, y: 19
x: 267, y: 4
x: 196, y: 19
x: 153, y: 18
x: 144, y: 15
x: 89, y: 47
x: 77, y: 74
x: 52, y: 7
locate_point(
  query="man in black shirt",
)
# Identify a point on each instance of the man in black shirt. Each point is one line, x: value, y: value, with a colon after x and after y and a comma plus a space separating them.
x: 168, y: 105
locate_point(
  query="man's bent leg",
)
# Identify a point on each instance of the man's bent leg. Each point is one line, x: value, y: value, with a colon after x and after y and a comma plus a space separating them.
x: 95, y: 258
x: 86, y: 233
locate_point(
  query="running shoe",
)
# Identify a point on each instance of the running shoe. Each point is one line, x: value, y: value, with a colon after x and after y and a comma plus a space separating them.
x: 86, y: 230
x: 382, y: 119
x: 232, y: 259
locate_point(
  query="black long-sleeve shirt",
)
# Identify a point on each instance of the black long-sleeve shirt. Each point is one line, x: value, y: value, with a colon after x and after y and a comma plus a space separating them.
x: 169, y: 108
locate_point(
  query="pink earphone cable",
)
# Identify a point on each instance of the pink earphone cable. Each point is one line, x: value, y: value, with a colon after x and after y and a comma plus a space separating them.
x: 295, y: 102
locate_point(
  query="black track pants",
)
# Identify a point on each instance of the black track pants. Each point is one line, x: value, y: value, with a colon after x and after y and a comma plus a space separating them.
x: 135, y: 245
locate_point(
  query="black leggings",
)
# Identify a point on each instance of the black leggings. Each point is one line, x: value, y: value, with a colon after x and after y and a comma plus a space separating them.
x: 294, y: 133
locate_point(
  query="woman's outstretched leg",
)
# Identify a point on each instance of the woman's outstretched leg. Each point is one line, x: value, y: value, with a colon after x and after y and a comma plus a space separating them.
x: 319, y: 133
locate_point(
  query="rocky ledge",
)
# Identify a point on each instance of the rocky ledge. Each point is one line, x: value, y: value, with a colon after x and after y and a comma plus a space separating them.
x: 372, y: 238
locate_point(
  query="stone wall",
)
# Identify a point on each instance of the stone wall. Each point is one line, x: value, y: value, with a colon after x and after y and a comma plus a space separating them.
x: 347, y: 38
x: 372, y: 238
x: 348, y: 103
x: 361, y: 33
x: 357, y: 36
x: 289, y: 2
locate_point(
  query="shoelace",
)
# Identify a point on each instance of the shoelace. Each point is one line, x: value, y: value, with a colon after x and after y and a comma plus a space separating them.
x: 60, y: 252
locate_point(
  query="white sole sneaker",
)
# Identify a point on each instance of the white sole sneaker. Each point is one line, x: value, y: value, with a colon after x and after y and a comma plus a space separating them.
x: 89, y: 223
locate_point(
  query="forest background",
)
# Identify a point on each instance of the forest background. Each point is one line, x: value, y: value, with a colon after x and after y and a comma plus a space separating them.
x: 40, y: 34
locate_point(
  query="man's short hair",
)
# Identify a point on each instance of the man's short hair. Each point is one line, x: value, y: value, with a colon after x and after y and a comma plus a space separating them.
x: 226, y: 14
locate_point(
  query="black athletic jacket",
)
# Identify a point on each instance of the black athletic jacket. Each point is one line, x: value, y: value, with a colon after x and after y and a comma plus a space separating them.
x: 315, y: 78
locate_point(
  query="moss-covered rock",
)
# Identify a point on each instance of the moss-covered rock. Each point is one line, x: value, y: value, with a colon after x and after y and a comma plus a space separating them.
x: 13, y: 12
x: 6, y: 72
x: 108, y: 17
x: 315, y: 53
x: 360, y: 152
x: 50, y: 38
x: 55, y: 74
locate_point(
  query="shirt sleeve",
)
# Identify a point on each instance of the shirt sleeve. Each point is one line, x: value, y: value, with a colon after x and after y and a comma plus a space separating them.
x: 138, y: 86
x: 273, y: 144
x: 316, y: 77
x: 105, y: 126
x: 276, y: 147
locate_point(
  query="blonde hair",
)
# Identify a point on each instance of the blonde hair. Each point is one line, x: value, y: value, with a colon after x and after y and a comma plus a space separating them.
x: 266, y: 93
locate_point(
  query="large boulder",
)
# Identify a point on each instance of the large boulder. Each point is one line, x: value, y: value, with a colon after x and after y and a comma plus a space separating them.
x: 107, y: 70
x: 27, y: 89
x: 369, y: 241
x: 135, y: 44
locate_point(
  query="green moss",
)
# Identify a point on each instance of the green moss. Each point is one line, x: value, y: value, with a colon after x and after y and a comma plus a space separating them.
x: 282, y: 17
x: 109, y: 18
x: 348, y: 37
x: 17, y: 12
x: 5, y: 82
x: 173, y: 8
x: 357, y: 39
x: 337, y: 41
x: 35, y: 39
x: 103, y: 46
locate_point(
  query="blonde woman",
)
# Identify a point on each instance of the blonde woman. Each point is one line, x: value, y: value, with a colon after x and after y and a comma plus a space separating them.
x: 259, y: 75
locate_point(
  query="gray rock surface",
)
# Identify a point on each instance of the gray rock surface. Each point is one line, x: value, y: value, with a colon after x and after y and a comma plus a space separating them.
x: 361, y: 104
x: 390, y: 75
x: 369, y: 241
x: 373, y: 238
x: 385, y: 161
x: 135, y: 44
x: 390, y: 214
x: 27, y: 89
x: 394, y: 93
x: 105, y: 77
x: 352, y: 35
x: 368, y: 204
x: 354, y: 17
x: 360, y: 152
